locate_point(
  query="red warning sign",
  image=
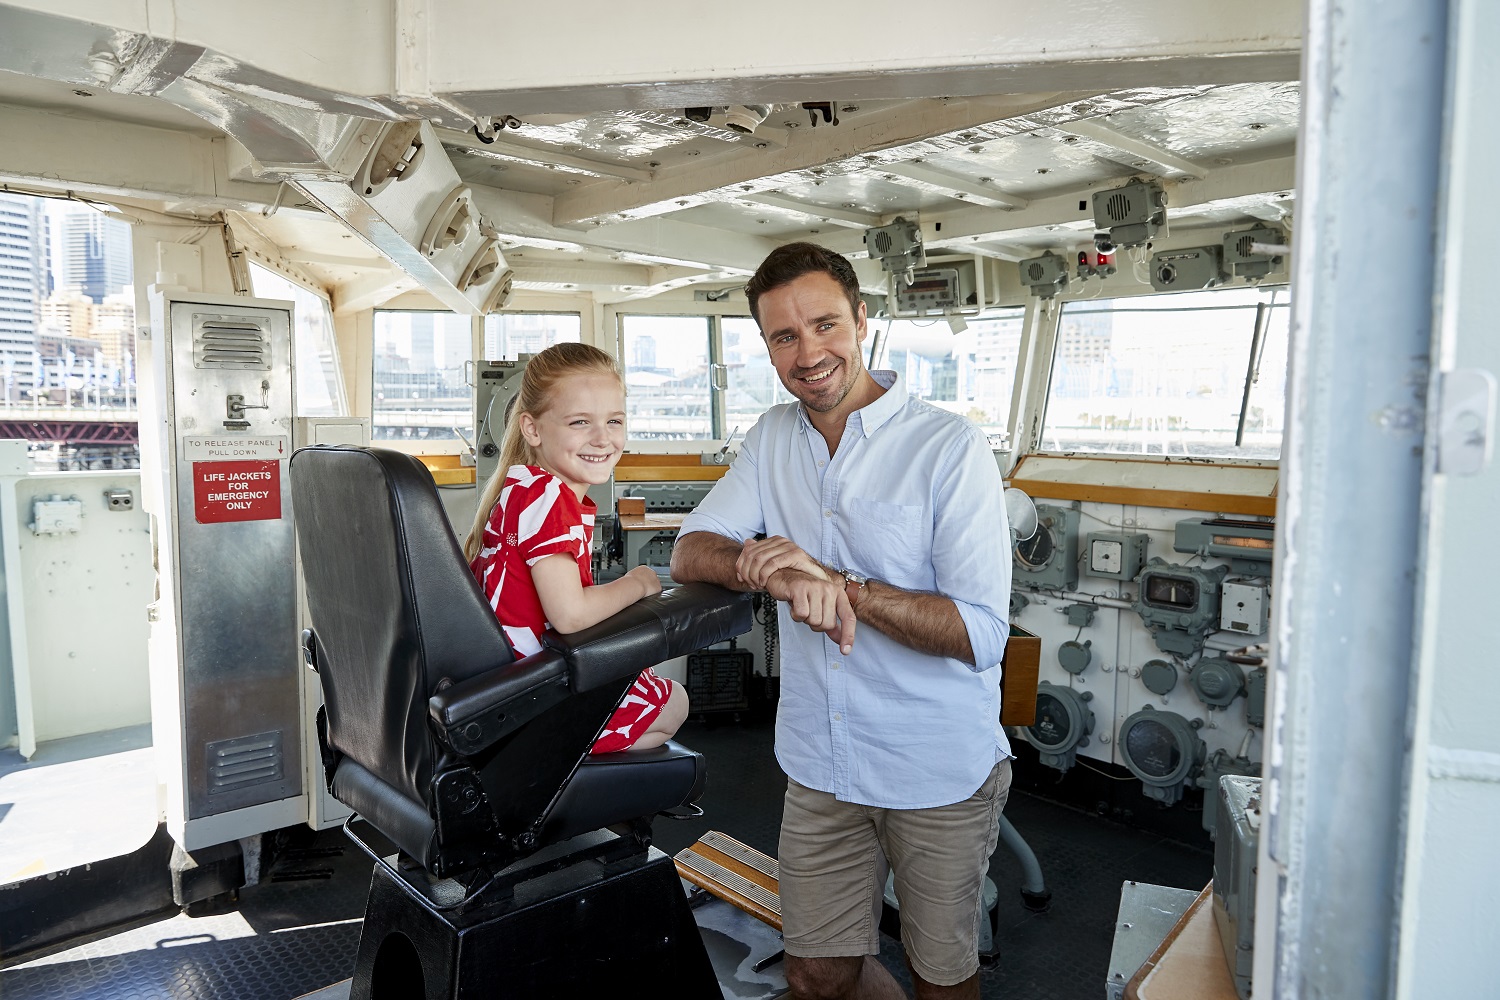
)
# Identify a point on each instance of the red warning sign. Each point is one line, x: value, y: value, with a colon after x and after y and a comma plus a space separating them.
x: 236, y: 491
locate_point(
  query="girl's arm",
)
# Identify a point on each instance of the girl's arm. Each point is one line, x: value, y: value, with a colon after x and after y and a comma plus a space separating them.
x: 571, y: 606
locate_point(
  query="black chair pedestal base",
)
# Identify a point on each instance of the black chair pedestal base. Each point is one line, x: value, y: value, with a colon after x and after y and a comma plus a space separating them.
x: 619, y: 930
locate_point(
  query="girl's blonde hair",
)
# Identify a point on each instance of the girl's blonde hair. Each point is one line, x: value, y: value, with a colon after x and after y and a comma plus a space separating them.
x: 538, y: 382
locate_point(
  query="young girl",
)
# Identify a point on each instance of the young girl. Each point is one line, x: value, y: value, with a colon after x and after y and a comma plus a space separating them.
x: 530, y: 544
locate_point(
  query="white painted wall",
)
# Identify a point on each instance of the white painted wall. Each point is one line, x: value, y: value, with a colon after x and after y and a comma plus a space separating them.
x: 79, y: 661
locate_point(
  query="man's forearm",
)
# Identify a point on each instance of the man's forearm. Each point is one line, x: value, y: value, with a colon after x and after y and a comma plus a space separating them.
x: 706, y: 557
x: 928, y: 623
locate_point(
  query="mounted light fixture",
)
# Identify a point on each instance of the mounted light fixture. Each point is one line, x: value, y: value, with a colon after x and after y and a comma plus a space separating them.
x: 744, y: 118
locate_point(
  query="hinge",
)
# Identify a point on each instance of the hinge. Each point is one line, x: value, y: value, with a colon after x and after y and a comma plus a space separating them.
x: 1466, y: 421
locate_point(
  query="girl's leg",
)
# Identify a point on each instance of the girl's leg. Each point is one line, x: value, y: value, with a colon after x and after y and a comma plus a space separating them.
x: 673, y: 714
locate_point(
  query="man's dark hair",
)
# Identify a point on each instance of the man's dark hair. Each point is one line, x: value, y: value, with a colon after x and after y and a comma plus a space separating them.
x: 788, y: 263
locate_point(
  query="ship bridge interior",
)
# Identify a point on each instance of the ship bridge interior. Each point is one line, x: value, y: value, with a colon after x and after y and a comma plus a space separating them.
x: 1209, y: 279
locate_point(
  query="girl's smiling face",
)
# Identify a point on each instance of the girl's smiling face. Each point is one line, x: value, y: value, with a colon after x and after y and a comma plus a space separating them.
x: 580, y: 436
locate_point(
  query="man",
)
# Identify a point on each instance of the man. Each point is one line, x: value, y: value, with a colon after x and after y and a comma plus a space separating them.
x: 884, y: 511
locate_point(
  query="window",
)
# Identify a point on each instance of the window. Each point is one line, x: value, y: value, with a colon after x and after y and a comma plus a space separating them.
x: 320, y: 384
x: 971, y: 373
x: 507, y: 335
x: 667, y: 378
x: 419, y: 390
x: 1165, y: 375
x: 753, y: 386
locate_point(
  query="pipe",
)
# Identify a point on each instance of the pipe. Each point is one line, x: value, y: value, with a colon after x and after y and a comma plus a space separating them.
x: 1031, y: 871
x: 1213, y: 642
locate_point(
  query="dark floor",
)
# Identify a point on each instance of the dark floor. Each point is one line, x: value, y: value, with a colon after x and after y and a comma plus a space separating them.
x: 1062, y: 954
x: 298, y: 931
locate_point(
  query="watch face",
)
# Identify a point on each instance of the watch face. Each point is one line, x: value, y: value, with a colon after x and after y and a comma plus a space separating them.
x: 1164, y: 591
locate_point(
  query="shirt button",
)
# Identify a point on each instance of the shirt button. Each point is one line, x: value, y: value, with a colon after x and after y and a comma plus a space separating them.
x: 838, y: 717
x: 828, y: 513
x: 835, y: 666
x: 821, y: 464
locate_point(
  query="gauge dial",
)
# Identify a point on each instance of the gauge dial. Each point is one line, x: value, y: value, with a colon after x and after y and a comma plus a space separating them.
x: 1036, y: 551
x: 1165, y: 591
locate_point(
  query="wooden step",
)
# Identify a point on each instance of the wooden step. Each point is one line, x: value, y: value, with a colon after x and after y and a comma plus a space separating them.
x: 734, y: 872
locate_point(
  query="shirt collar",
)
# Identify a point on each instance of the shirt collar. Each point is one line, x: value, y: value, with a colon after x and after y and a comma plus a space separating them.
x: 872, y: 416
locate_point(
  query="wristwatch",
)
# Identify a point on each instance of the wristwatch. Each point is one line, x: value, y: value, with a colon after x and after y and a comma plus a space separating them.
x: 857, y: 582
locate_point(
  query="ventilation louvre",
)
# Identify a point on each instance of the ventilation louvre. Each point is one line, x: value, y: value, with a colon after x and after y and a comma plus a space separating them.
x: 244, y: 761
x: 239, y: 343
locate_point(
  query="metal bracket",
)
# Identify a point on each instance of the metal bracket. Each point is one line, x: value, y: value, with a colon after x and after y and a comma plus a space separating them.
x: 1466, y: 421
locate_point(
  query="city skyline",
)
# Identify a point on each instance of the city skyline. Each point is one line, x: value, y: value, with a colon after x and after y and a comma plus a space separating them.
x: 67, y: 310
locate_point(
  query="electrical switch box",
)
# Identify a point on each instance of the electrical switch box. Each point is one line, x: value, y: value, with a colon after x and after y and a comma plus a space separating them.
x: 56, y: 516
x: 1115, y: 555
x: 930, y: 292
x: 1244, y: 608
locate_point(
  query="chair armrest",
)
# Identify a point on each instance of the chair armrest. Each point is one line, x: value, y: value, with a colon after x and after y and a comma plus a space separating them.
x: 673, y: 623
x: 473, y: 714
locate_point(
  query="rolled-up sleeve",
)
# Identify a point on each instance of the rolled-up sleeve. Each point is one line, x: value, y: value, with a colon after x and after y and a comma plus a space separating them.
x: 733, y: 507
x: 971, y: 546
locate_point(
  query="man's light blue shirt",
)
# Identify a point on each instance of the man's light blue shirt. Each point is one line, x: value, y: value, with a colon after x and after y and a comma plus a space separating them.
x: 911, y: 497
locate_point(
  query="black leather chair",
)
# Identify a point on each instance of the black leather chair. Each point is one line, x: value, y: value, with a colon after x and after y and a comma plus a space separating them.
x: 468, y: 760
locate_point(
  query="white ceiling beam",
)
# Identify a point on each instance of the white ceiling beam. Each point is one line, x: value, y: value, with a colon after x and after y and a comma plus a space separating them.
x: 924, y: 128
x: 1139, y: 153
x: 187, y: 171
x: 552, y: 275
x: 661, y: 58
x: 666, y: 285
x: 371, y: 54
x: 303, y: 256
x: 965, y: 227
x: 953, y: 186
x: 1012, y: 252
x: 505, y: 151
x: 522, y: 218
x: 369, y: 291
x: 834, y: 216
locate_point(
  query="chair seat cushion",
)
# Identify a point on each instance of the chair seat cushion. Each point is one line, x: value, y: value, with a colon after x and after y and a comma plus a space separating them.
x: 610, y: 787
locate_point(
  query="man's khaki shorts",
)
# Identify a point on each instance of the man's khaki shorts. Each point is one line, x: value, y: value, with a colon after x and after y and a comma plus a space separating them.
x: 833, y: 860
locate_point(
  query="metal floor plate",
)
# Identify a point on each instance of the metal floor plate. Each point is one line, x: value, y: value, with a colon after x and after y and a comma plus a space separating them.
x: 294, y: 933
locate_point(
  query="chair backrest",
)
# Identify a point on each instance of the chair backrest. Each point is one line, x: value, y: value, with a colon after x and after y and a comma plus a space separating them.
x: 393, y: 603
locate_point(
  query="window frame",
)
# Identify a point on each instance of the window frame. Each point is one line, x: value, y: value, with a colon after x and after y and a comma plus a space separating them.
x: 480, y: 350
x: 714, y: 313
x: 1280, y: 286
x: 427, y: 446
x: 292, y: 277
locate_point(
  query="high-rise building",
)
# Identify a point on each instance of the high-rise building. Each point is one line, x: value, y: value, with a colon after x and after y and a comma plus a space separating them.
x: 22, y: 278
x: 93, y: 252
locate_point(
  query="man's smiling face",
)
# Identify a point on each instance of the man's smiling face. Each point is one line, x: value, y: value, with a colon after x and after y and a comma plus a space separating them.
x: 814, y: 340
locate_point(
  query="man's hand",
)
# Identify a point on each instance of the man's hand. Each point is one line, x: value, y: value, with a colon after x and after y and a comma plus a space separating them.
x: 817, y: 601
x: 760, y: 559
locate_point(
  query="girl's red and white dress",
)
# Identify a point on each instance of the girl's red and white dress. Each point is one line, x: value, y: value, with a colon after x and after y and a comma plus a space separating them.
x: 539, y: 515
